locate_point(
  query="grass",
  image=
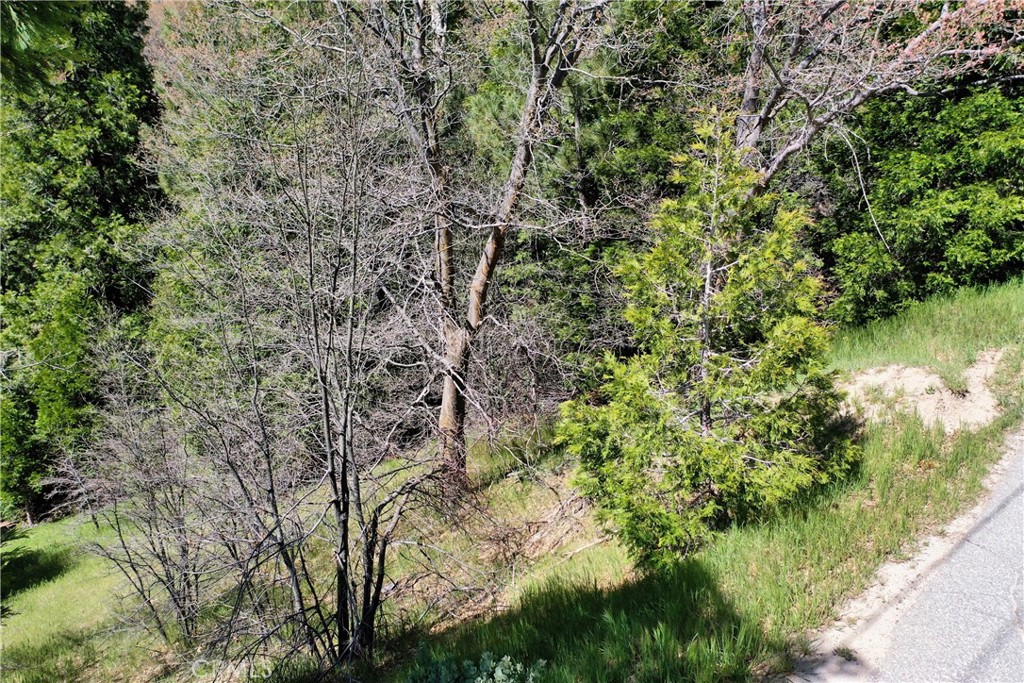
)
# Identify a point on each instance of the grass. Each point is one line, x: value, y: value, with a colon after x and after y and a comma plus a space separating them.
x: 737, y: 610
x: 945, y: 333
x: 59, y: 622
x: 515, y: 452
x: 740, y: 608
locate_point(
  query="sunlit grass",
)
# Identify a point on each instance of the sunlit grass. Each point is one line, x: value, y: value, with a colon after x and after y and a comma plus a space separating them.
x: 944, y: 333
x: 734, y: 611
x: 740, y: 608
x: 61, y: 623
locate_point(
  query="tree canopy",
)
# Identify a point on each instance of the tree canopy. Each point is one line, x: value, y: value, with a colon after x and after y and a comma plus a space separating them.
x: 74, y: 197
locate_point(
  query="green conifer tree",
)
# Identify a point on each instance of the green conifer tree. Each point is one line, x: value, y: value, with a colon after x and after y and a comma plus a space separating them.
x: 72, y: 197
x: 727, y: 411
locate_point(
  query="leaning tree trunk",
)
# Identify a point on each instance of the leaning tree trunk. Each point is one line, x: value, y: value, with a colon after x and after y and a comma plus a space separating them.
x: 554, y: 52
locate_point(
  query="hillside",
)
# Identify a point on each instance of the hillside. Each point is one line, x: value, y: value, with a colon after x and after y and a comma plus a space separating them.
x: 491, y: 341
x: 566, y: 593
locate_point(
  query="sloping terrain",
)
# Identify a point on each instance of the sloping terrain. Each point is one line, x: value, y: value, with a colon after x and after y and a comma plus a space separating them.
x: 897, y: 387
x: 952, y: 611
x: 545, y: 581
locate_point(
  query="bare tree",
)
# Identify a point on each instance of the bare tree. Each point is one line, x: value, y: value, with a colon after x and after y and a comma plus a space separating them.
x: 422, y: 61
x: 282, y: 427
x: 810, y: 64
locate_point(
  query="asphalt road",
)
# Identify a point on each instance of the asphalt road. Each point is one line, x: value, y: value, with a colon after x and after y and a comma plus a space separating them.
x: 967, y: 622
x: 953, y: 613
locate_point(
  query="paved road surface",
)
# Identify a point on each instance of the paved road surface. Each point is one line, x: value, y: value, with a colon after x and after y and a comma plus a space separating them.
x: 964, y: 619
x: 967, y: 623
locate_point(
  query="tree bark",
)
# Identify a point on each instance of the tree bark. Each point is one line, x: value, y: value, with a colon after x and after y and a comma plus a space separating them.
x: 554, y: 52
x: 452, y: 418
x: 748, y: 123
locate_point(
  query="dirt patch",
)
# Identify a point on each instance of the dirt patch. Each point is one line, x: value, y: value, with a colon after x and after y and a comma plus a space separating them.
x: 879, y: 391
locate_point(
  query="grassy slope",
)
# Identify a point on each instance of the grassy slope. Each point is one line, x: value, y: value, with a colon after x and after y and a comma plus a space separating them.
x: 735, y: 609
x: 62, y: 606
x: 740, y: 607
x: 945, y: 333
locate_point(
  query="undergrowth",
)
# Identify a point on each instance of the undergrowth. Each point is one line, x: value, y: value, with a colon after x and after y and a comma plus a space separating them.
x: 740, y: 608
x: 734, y: 611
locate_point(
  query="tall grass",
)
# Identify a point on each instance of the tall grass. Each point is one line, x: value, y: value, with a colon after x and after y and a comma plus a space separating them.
x: 945, y: 333
x: 673, y: 625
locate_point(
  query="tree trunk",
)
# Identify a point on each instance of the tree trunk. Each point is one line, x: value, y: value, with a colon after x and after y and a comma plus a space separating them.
x: 705, y: 342
x: 554, y: 52
x: 748, y: 123
x: 452, y: 419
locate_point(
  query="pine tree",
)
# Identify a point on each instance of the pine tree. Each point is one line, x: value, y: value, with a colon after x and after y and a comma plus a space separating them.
x: 73, y: 195
x: 728, y: 410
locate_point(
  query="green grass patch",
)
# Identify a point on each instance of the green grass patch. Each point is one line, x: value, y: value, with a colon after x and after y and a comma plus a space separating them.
x: 673, y: 625
x: 59, y: 619
x: 516, y: 452
x: 945, y: 333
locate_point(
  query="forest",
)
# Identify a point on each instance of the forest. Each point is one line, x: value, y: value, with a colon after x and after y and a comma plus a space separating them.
x: 390, y: 339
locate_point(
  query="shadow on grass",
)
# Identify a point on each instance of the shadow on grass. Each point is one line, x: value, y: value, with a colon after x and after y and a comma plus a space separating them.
x: 845, y: 428
x: 64, y: 656
x: 23, y: 568
x: 673, y: 624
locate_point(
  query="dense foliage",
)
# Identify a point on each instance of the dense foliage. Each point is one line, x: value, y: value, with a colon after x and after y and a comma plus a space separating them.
x: 73, y: 197
x: 390, y: 233
x: 727, y: 411
x: 932, y: 199
x: 34, y: 38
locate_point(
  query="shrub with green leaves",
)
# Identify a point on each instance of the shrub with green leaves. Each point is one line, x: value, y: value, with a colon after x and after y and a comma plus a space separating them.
x: 487, y: 670
x: 943, y: 205
x: 727, y: 411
